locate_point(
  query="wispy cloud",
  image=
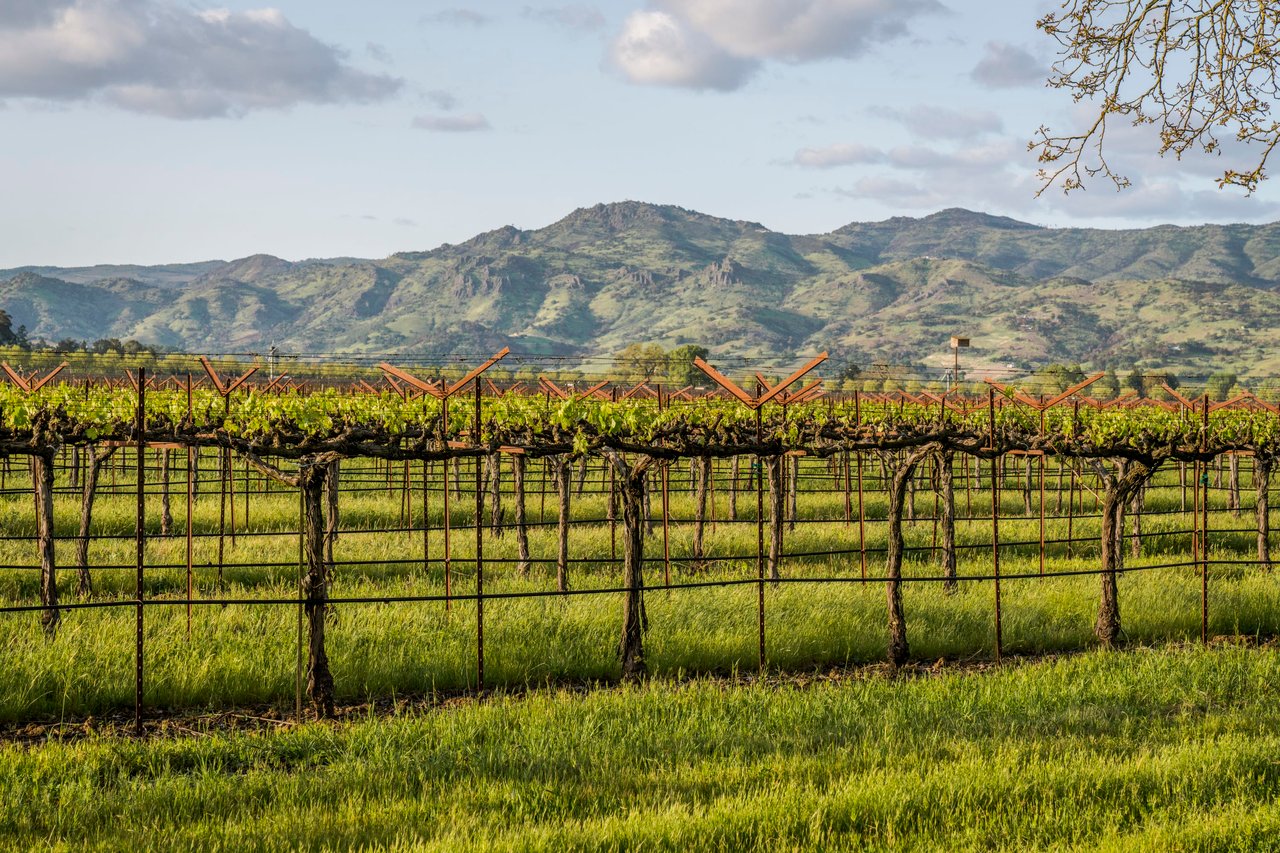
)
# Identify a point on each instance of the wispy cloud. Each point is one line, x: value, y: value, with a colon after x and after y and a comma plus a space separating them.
x: 842, y: 154
x: 1007, y: 66
x: 457, y: 17
x: 461, y: 123
x: 575, y: 17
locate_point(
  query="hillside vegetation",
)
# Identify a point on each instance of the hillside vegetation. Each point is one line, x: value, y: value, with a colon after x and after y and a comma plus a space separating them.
x: 1186, y: 298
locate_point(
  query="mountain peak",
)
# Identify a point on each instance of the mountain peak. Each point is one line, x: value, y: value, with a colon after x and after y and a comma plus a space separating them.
x: 248, y: 269
x: 623, y: 215
x: 972, y: 218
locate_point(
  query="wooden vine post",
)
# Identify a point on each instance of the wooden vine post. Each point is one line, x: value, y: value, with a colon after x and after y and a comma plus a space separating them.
x: 140, y: 534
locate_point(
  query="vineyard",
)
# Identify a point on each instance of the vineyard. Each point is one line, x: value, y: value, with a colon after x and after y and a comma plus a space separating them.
x: 239, y: 541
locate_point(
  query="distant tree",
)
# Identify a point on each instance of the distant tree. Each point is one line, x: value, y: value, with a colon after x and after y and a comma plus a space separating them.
x: 102, y: 346
x: 1106, y: 388
x: 1135, y: 381
x: 8, y: 336
x: 640, y: 362
x: 1219, y: 385
x: 1155, y: 382
x: 850, y: 370
x: 1056, y: 378
x: 70, y: 345
x: 680, y: 369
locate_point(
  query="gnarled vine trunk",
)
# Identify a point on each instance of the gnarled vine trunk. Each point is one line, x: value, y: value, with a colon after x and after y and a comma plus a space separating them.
x: 97, y: 458
x: 563, y: 473
x: 166, y: 513
x: 631, y: 477
x: 522, y: 526
x: 495, y: 495
x: 42, y: 481
x: 315, y: 590
x: 900, y: 476
x: 1262, y: 486
x: 703, y: 472
x: 1120, y: 489
x: 947, y: 518
x: 776, y: 495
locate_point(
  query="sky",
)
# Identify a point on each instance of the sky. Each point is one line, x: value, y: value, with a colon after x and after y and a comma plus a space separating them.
x: 154, y: 131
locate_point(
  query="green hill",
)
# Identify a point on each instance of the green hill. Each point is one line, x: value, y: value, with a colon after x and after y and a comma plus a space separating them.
x: 1193, y: 298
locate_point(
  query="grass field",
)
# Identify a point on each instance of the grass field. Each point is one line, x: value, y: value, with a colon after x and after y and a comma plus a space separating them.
x: 1148, y: 749
x: 246, y: 654
x: 1163, y: 746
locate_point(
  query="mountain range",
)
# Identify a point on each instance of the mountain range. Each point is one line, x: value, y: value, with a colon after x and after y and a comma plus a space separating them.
x: 1196, y: 298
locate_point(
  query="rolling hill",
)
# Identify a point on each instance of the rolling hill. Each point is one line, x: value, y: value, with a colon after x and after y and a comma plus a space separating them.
x: 1189, y: 298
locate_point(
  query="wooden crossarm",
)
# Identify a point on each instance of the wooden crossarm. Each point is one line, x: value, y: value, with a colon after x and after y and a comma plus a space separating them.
x: 16, y: 377
x: 806, y: 392
x: 724, y: 381
x: 1273, y: 409
x: 213, y: 376
x: 1181, y: 399
x: 942, y: 399
x: 552, y: 388
x: 1118, y: 400
x: 497, y: 357
x: 1074, y: 389
x: 590, y: 391
x: 432, y: 388
x: 1014, y: 393
x: 1225, y: 403
x: 643, y: 386
x: 790, y: 380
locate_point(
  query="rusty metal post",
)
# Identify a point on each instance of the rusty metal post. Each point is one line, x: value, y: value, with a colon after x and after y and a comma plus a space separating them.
x: 995, y: 522
x: 479, y: 550
x: 448, y: 555
x: 140, y: 429
x: 191, y: 499
x: 426, y: 523
x: 760, y: 535
x: 862, y: 515
x: 666, y: 512
x: 1204, y: 540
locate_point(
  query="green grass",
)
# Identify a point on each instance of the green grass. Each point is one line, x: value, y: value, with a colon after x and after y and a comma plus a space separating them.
x: 246, y: 654
x: 1166, y: 749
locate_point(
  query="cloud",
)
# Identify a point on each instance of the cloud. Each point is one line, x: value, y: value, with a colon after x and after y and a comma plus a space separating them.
x: 378, y: 53
x: 720, y: 44
x: 578, y: 17
x: 656, y: 48
x: 457, y: 18
x: 462, y: 123
x: 941, y: 123
x: 153, y: 56
x: 999, y: 175
x: 1007, y: 66
x: 441, y: 99
x: 843, y: 154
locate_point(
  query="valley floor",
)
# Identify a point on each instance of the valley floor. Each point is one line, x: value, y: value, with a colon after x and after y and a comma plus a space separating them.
x: 1167, y: 748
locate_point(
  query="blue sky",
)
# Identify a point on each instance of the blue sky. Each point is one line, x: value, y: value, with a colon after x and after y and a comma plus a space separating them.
x: 148, y: 131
